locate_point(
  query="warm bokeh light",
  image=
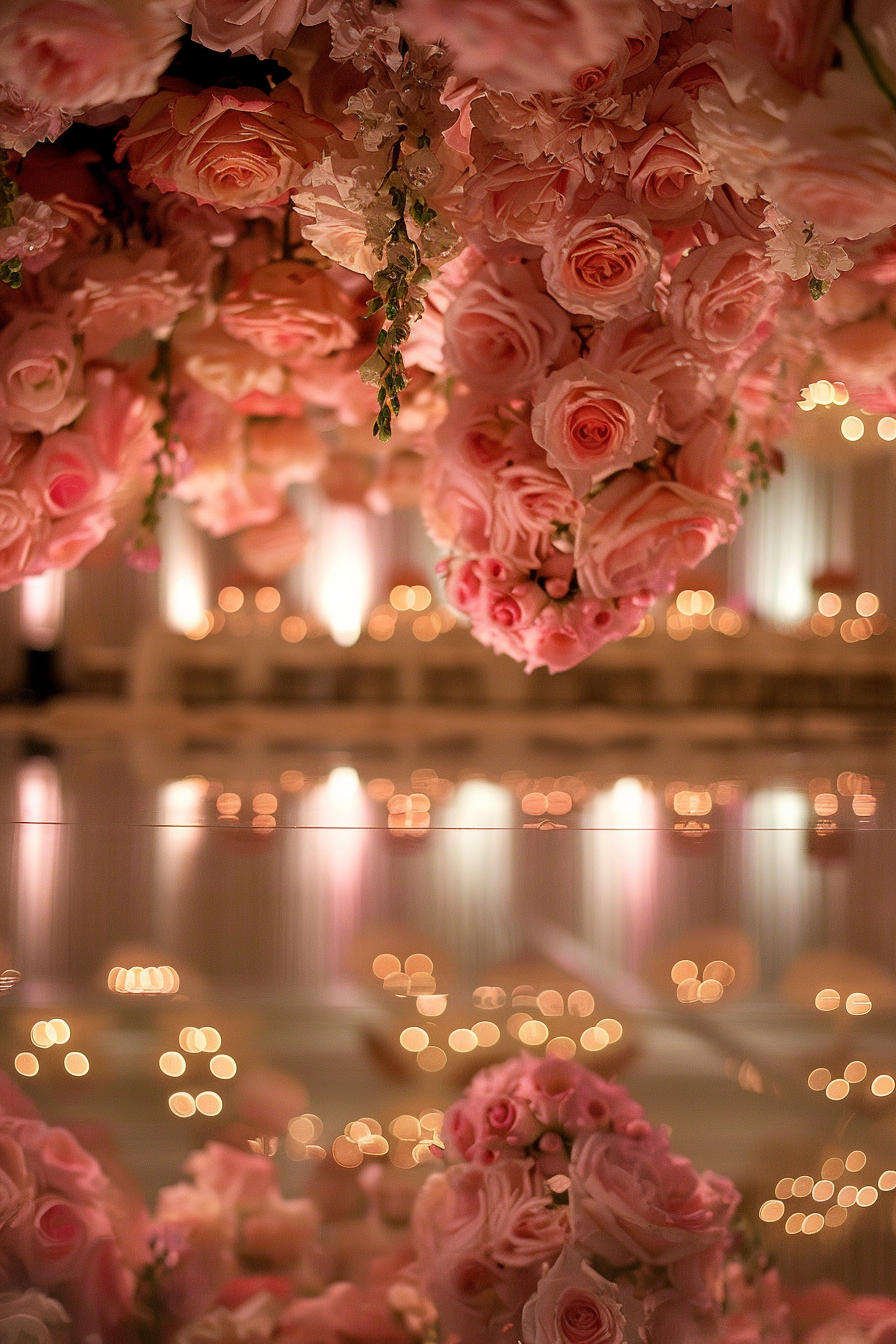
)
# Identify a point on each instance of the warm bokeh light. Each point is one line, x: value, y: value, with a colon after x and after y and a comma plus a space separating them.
x: 222, y: 1066
x: 76, y: 1063
x: 856, y: 1160
x: 594, y: 1038
x: 887, y: 1181
x: 431, y: 1005
x: 533, y: 1033
x: 883, y: 1085
x: 866, y: 1196
x: 561, y: 1047
x: 432, y: 1059
x: 683, y: 970
x: 855, y: 1072
x: 230, y: 599
x: 826, y: 1000
x: 293, y: 629
x: 852, y: 428
x: 414, y: 1039
x: 833, y: 1169
x: 182, y: 1104
x: 266, y: 600
x: 819, y: 1079
x: 464, y: 1040
x: 209, y: 1103
x: 26, y: 1064
x: 813, y: 1223
x: 846, y: 1196
x: 172, y: 1064
x: 228, y: 804
x: 837, y: 1089
x: 580, y: 1003
x: 886, y: 428
x: 867, y: 603
x: 550, y: 1003
x: 264, y: 802
x: 858, y: 1004
x: 402, y: 597
x: 826, y: 805
x: 829, y: 604
x: 489, y: 997
x: 784, y: 1188
x: 487, y: 1033
x: 418, y: 963
x: 822, y: 1190
x: 292, y: 781
x: 43, y: 1035
x: 771, y: 1211
x: 802, y: 1186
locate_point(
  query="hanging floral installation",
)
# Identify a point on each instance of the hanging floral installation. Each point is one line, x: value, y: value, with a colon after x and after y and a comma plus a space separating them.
x: 553, y: 271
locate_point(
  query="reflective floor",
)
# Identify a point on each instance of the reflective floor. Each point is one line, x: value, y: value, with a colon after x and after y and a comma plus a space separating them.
x: 699, y: 896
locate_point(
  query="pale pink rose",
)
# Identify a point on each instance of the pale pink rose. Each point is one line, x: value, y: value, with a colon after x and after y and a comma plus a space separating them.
x: 30, y: 236
x: 224, y: 147
x: 193, y: 235
x: 755, y: 1310
x: 120, y: 419
x: 485, y: 436
x: 836, y: 167
x: 794, y: 37
x: 525, y: 1226
x: 478, y: 1300
x: 685, y: 383
x: 638, y: 532
x: 603, y: 264
x: 271, y: 549
x: 425, y: 346
x: 231, y: 370
x: 70, y: 538
x: 17, y: 1181
x: 457, y: 504
x: 722, y: 299
x: 33, y: 1317
x: 41, y: 386
x: 592, y: 423
x: 256, y: 26
x: 58, y: 1162
x: 290, y: 308
x: 239, y: 1178
x: 670, y: 1318
x: 16, y: 554
x: 525, y: 45
x: 573, y: 1305
x: 502, y: 333
x: 482, y: 1124
x: 702, y: 461
x: 633, y: 1199
x: 279, y: 1231
x: 564, y: 1095
x: 666, y: 176
x: 290, y: 447
x: 344, y: 1314
x: 74, y: 54
x: 24, y: 123
x: 17, y: 518
x: 509, y: 199
x: 121, y: 294
x: 54, y: 1239
x: 531, y: 504
x: 66, y: 474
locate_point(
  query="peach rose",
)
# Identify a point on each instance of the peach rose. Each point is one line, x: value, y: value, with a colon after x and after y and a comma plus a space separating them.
x: 685, y: 384
x: 666, y: 176
x: 23, y: 123
x: 75, y: 54
x: 638, y: 532
x: 525, y: 45
x: 256, y: 26
x: 288, y: 446
x: 526, y: 1227
x: 502, y: 333
x: 121, y: 294
x: 722, y: 298
x: 32, y: 234
x: 58, y: 1161
x: 604, y: 264
x: 270, y: 549
x: 290, y: 308
x: 69, y: 539
x: 457, y: 504
x: 224, y: 147
x: 573, y: 1305
x: 794, y: 37
x: 508, y: 198
x: 40, y: 374
x: 592, y: 423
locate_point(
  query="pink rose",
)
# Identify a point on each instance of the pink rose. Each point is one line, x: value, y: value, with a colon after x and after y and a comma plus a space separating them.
x: 666, y: 176
x: 344, y: 1314
x: 75, y: 54
x: 722, y: 299
x: 121, y: 294
x: 119, y: 419
x: 638, y: 532
x: 633, y: 1199
x: 794, y: 37
x: 55, y: 1238
x: 565, y: 1096
x: 702, y: 461
x: 279, y: 1231
x: 66, y: 474
x: 457, y: 504
x: 512, y: 199
x: 224, y: 147
x: 69, y: 539
x: 525, y: 1227
x: 603, y: 264
x: 41, y: 386
x: 289, y: 446
x: 485, y: 436
x: 238, y: 1177
x: 58, y: 1162
x: 32, y: 234
x: 573, y: 1305
x: 563, y: 635
x: 685, y: 383
x: 23, y: 122
x: 17, y: 1183
x: 478, y: 1300
x: 502, y: 333
x: 526, y: 45
x: 270, y: 549
x: 531, y: 505
x: 592, y: 423
x: 241, y: 26
x: 290, y: 308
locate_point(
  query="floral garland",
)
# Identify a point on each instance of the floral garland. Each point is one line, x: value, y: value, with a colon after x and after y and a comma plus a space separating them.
x: 552, y: 271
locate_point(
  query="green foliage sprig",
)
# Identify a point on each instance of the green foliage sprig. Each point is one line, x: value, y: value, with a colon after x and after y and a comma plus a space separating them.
x: 10, y: 270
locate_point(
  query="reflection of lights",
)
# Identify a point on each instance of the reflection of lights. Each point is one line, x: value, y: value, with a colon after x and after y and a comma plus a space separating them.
x: 228, y: 804
x: 343, y: 588
x: 692, y: 803
x: 580, y: 1003
x: 829, y: 604
x: 26, y: 1064
x: 432, y: 1059
x: 867, y: 603
x: 264, y: 802
x: 385, y: 964
x: 172, y: 1064
x: 858, y: 1004
x: 594, y: 1038
x: 292, y: 781
x: 852, y: 428
x: 222, y: 1066
x: 864, y: 805
x: 40, y: 608
x: 293, y: 629
x: 826, y: 1000
x: 431, y: 1005
x: 76, y: 1063
x: 267, y: 600
x: 380, y: 790
x: 182, y: 575
x: 37, y: 851
x: 683, y: 970
x: 230, y: 599
x: 822, y: 1190
x: 464, y: 1040
x: 856, y: 1160
x: 182, y: 1104
x: 144, y: 980
x: 833, y: 1169
x: 855, y: 1072
x: 342, y: 784
x: 826, y: 805
x: 561, y: 1047
x: 886, y: 428
x: 802, y: 1187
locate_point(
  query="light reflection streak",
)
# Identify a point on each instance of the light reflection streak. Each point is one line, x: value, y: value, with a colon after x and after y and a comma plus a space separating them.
x: 37, y: 865
x: 468, y: 904
x: 178, y: 835
x: 183, y: 578
x: 328, y: 857
x: 340, y: 576
x: 619, y: 872
x: 780, y: 889
x: 40, y: 608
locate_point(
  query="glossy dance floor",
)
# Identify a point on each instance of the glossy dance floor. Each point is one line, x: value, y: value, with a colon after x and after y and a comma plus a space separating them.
x: 270, y: 876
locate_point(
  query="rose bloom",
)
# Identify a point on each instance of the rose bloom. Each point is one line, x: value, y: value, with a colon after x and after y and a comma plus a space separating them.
x: 525, y: 1226
x: 66, y: 474
x: 256, y: 26
x: 508, y: 198
x: 573, y: 1305
x: 685, y: 383
x: 502, y: 333
x: 224, y: 147
x: 794, y: 37
x: 57, y: 1161
x: 290, y: 447
x: 484, y: 436
x: 638, y: 532
x: 343, y: 1314
x: 722, y: 299
x: 75, y: 54
x: 24, y: 123
x: 529, y: 503
x: 279, y: 1231
x: 32, y: 1317
x: 40, y: 375
x: 290, y: 308
x: 54, y: 1239
x: 592, y: 423
x: 457, y: 504
x: 633, y: 1199
x: 524, y: 45
x: 604, y: 264
x: 562, y: 636
x: 666, y: 176
x: 269, y: 550
x: 121, y: 294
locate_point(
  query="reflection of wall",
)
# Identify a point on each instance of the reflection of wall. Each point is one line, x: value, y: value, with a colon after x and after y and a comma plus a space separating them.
x: 179, y: 814
x: 781, y: 891
x: 619, y: 873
